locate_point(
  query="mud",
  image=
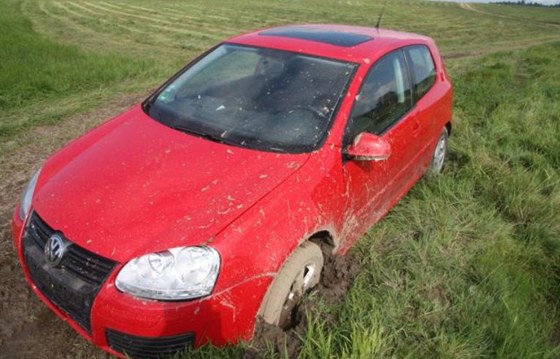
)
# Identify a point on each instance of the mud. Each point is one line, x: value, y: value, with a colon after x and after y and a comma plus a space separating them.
x: 337, y: 277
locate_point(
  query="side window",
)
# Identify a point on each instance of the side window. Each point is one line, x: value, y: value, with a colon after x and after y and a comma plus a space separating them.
x: 384, y: 98
x: 423, y: 69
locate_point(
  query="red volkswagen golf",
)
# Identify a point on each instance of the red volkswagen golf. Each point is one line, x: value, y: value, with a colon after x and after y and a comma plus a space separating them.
x: 192, y: 214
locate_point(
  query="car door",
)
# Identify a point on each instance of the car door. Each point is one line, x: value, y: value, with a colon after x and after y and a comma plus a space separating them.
x: 382, y: 107
x: 425, y: 111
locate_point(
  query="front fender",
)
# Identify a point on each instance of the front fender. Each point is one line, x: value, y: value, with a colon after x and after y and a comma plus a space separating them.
x: 260, y: 241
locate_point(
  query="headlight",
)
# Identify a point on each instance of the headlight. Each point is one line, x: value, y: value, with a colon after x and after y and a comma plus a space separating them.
x: 175, y: 274
x: 25, y: 205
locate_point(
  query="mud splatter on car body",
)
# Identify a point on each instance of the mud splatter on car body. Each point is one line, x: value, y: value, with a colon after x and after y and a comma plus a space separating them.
x: 184, y: 213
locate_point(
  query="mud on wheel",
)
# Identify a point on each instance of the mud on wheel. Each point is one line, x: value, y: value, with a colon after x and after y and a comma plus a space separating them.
x: 300, y: 273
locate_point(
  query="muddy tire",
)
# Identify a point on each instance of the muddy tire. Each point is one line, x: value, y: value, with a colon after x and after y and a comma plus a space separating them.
x: 439, y: 155
x: 300, y: 273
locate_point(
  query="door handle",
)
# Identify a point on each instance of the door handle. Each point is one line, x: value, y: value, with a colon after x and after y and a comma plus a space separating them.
x: 416, y: 129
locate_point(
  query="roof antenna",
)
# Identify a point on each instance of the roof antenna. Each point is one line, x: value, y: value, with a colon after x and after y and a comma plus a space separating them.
x: 380, y: 16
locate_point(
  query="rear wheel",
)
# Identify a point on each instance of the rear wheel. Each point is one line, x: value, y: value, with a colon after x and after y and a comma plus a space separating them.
x: 440, y: 153
x: 300, y: 273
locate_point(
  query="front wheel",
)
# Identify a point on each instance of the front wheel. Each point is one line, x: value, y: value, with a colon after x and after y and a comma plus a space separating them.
x: 440, y: 153
x: 300, y: 273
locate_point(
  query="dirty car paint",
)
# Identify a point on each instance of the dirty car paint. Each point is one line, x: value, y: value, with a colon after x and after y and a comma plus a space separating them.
x: 135, y: 186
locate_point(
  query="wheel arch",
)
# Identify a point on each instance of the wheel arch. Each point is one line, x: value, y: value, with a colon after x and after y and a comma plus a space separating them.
x: 324, y: 239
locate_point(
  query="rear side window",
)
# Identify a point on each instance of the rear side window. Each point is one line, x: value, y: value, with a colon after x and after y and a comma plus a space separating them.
x: 423, y: 69
x: 384, y: 98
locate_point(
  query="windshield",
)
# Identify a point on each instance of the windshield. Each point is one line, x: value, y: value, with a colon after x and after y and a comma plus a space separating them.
x: 256, y: 98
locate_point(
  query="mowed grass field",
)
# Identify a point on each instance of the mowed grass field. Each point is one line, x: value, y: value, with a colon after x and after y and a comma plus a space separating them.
x: 549, y: 16
x: 466, y: 266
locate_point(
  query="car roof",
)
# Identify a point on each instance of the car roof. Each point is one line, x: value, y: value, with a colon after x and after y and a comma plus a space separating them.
x: 348, y: 43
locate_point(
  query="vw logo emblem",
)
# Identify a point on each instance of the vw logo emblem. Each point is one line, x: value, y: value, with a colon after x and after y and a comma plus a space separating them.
x: 55, y: 249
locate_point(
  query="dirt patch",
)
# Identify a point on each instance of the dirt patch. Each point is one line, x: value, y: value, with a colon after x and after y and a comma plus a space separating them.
x: 337, y: 277
x: 28, y: 329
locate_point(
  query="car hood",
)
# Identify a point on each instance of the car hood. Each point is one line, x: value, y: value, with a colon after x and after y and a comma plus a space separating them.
x: 134, y: 186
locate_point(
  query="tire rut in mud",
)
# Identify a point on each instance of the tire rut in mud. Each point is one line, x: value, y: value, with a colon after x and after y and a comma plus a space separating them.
x: 336, y: 279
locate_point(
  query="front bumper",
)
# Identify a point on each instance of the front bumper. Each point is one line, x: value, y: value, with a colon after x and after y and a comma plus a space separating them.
x: 120, y: 323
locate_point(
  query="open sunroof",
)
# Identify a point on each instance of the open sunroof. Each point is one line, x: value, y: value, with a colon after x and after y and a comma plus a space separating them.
x: 338, y: 38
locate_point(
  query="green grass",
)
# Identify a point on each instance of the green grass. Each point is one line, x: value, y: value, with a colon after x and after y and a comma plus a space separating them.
x: 473, y: 259
x: 36, y: 68
x: 36, y: 71
x: 192, y: 26
x: 466, y: 266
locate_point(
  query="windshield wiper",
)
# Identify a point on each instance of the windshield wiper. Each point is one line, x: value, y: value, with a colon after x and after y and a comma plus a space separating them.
x: 206, y: 135
x: 148, y: 104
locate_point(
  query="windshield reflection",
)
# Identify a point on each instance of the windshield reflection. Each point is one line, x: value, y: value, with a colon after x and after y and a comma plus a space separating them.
x: 256, y: 98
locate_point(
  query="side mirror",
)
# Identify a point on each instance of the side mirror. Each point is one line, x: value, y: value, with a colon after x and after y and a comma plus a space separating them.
x: 368, y: 147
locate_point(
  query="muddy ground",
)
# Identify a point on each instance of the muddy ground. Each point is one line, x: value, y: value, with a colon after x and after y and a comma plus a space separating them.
x: 27, y: 328
x: 336, y: 278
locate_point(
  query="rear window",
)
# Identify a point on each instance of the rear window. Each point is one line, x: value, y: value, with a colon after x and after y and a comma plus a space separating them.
x: 423, y: 69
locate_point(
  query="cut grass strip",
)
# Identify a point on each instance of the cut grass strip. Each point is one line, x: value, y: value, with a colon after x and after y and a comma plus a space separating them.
x: 197, y: 24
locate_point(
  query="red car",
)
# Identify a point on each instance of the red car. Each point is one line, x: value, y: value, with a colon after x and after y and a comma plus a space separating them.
x: 187, y: 217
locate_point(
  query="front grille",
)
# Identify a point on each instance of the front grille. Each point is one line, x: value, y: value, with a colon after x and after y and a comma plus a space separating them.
x: 149, y: 348
x: 73, y: 285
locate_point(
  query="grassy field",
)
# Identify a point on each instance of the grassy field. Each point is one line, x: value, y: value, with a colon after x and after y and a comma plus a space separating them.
x: 466, y: 266
x: 532, y: 13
